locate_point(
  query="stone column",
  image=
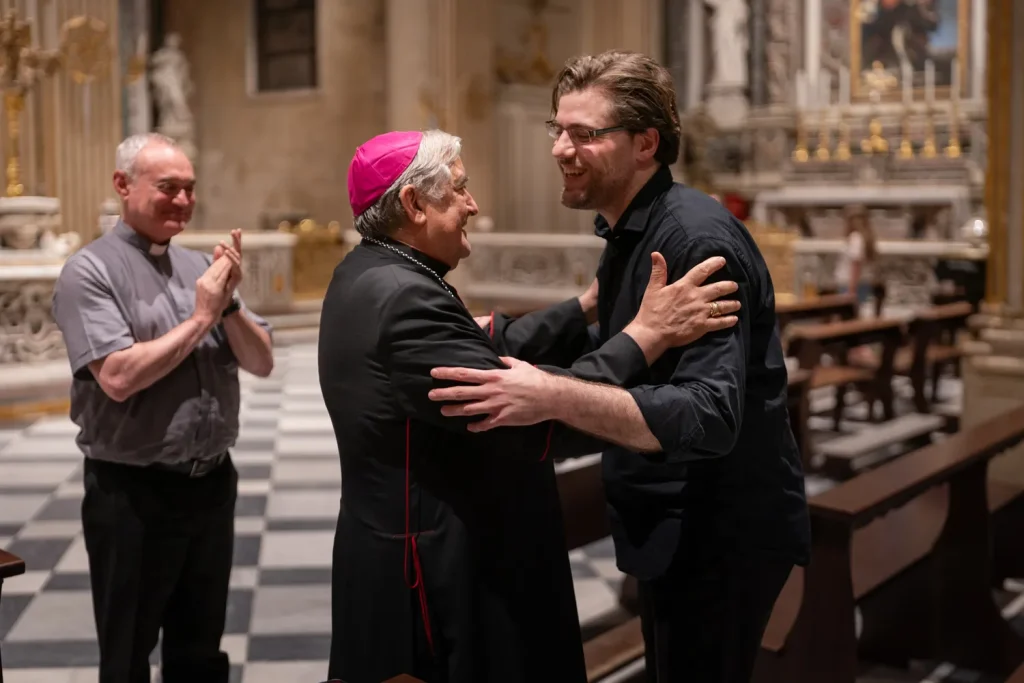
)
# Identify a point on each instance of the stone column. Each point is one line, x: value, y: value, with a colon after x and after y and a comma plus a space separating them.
x: 441, y: 75
x: 758, y: 36
x: 993, y: 373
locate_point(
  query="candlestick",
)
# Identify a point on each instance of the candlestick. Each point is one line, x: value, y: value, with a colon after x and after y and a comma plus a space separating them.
x: 908, y: 83
x: 928, y: 148
x: 929, y: 82
x: 843, y: 148
x: 906, y: 149
x: 35, y: 26
x: 953, y: 149
x: 800, y: 151
x: 954, y: 75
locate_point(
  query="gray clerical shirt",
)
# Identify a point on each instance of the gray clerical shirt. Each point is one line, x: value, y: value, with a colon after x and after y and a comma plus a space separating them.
x: 122, y: 289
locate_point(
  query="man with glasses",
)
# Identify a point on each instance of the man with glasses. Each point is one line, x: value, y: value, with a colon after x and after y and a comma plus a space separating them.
x: 701, y: 472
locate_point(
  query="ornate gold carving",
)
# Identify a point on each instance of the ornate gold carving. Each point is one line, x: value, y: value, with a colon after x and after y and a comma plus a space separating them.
x: 316, y: 253
x: 84, y: 50
x: 85, y: 44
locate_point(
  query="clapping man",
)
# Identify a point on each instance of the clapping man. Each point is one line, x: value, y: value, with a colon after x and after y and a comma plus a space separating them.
x: 155, y: 335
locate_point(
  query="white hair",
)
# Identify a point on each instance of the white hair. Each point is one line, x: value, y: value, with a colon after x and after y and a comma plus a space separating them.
x: 429, y: 173
x: 128, y: 151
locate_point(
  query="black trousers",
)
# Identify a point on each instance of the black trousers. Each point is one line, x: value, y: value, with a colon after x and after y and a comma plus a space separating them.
x: 160, y: 547
x: 703, y: 622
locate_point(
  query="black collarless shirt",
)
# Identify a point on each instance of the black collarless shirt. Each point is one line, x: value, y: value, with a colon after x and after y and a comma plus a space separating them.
x: 729, y: 477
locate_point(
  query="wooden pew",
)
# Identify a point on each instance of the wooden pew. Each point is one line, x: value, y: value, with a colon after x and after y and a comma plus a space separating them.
x: 585, y: 515
x: 10, y: 565
x: 932, y: 346
x: 799, y: 412
x: 1017, y: 676
x: 811, y: 342
x: 842, y: 306
x: 909, y: 544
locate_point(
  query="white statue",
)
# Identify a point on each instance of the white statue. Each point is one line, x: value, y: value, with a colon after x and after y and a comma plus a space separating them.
x: 172, y: 86
x: 729, y: 26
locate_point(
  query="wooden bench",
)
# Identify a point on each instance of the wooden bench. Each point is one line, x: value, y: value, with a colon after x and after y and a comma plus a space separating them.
x: 585, y: 515
x: 909, y: 544
x: 848, y: 454
x: 1017, y: 676
x: 932, y: 347
x: 810, y: 343
x: 798, y: 402
x: 10, y: 565
x: 827, y: 308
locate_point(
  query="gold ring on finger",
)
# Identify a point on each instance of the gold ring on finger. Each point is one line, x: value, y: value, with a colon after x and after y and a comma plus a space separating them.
x: 714, y: 309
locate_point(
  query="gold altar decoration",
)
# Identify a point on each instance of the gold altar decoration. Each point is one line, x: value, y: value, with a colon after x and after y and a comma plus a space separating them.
x: 878, y: 81
x: 776, y: 246
x: 928, y: 150
x: 843, y: 147
x: 953, y: 148
x: 906, y: 148
x: 84, y: 52
x: 800, y: 154
x: 822, y: 152
x: 315, y: 254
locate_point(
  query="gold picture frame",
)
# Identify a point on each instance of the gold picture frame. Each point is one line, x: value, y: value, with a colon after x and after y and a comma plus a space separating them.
x: 860, y: 64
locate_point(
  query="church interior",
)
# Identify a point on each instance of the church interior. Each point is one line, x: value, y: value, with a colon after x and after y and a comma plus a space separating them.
x: 793, y: 113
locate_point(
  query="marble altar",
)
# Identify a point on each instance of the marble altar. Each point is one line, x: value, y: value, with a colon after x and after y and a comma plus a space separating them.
x: 267, y: 265
x: 28, y: 332
x: 908, y: 267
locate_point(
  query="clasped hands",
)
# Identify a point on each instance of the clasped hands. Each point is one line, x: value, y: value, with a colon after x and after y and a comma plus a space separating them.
x: 670, y: 315
x: 216, y: 287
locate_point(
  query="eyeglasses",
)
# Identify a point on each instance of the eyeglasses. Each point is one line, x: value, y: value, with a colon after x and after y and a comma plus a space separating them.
x: 579, y: 136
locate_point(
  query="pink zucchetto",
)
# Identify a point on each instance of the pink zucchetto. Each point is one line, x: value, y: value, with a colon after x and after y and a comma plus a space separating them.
x: 377, y: 164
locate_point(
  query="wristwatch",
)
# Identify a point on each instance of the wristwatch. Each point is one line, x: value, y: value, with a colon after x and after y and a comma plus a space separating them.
x: 233, y: 307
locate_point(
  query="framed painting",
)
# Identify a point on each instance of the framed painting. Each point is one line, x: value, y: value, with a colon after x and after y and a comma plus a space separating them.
x: 885, y: 35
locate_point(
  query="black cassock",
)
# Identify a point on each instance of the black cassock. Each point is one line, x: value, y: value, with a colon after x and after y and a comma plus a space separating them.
x: 450, y: 560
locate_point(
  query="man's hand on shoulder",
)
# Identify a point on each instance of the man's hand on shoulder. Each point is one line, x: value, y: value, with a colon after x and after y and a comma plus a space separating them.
x: 680, y: 313
x: 514, y: 397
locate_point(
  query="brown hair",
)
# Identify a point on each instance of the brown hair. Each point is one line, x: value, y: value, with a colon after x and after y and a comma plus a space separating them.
x: 860, y: 211
x: 640, y: 89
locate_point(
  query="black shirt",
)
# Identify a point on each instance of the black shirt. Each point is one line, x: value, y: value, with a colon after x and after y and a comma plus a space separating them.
x: 729, y: 477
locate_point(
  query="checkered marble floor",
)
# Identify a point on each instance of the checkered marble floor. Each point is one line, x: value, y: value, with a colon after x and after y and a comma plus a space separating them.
x: 278, y: 622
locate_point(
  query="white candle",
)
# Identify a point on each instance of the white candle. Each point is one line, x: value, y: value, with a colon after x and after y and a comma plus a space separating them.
x: 929, y: 81
x: 955, y: 79
x: 908, y: 83
x: 844, y: 86
x: 36, y: 26
x: 801, y: 90
x: 51, y: 37
x: 825, y: 91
